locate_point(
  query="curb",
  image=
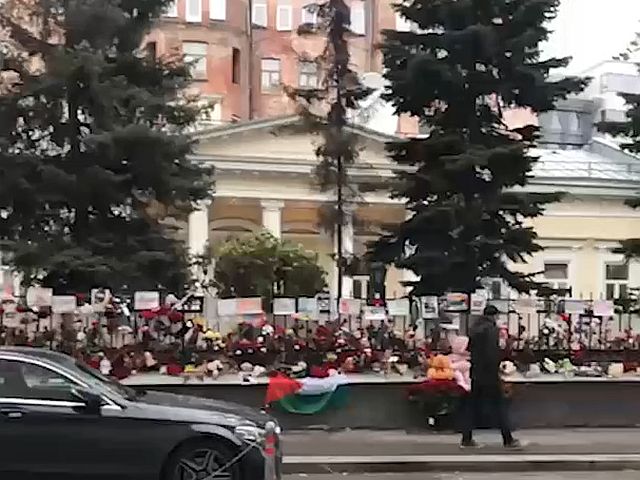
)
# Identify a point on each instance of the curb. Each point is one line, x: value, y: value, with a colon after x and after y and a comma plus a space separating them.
x: 459, y: 463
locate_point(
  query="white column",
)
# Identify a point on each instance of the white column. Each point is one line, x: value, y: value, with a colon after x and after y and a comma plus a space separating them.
x: 347, y: 252
x: 272, y: 216
x: 198, y: 229
x: 408, y: 275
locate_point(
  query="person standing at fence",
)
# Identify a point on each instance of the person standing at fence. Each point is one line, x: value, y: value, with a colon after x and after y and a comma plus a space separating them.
x: 486, y: 385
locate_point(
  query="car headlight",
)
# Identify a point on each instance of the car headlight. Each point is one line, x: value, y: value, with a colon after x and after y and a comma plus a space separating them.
x: 250, y: 433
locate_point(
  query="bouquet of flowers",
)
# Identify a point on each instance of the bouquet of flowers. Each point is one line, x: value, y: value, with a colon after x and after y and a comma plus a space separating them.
x: 438, y: 399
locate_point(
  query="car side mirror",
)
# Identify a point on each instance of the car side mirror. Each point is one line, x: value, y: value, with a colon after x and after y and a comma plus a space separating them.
x: 92, y: 402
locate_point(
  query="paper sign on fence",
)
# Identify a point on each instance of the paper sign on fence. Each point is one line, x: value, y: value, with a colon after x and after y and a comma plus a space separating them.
x: 39, y: 296
x: 478, y: 301
x: 575, y: 306
x: 284, y: 306
x: 457, y: 302
x: 249, y: 306
x: 603, y: 308
x: 64, y: 303
x: 308, y: 306
x: 429, y: 307
x: 146, y: 300
x: 350, y: 306
x: 399, y: 307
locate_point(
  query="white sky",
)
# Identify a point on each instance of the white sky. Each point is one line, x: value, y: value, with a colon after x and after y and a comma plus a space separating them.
x: 593, y: 30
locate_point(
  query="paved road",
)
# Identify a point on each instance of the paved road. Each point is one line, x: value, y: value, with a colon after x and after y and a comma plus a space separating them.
x: 477, y: 476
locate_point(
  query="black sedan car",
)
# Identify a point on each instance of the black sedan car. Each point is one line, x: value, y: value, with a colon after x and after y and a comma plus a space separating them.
x: 61, y: 419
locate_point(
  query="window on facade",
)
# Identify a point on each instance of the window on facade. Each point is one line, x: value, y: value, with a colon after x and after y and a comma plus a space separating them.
x: 193, y: 11
x: 309, y: 15
x: 195, y: 54
x: 235, y: 65
x: 556, y: 275
x: 172, y: 9
x: 270, y: 74
x: 28, y: 381
x: 211, y: 113
x: 284, y: 15
x: 217, y: 9
x: 358, y: 17
x: 151, y: 50
x: 308, y: 75
x: 616, y: 280
x: 259, y: 14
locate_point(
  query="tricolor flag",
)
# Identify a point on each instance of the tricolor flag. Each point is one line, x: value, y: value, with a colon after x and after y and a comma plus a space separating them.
x: 306, y: 396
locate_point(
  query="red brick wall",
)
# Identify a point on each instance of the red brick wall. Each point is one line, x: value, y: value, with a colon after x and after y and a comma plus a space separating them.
x: 267, y: 43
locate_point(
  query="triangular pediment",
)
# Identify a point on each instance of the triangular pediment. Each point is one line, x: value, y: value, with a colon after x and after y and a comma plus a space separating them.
x: 280, y: 139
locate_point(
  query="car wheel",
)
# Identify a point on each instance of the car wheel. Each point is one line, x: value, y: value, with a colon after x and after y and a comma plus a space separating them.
x: 202, y: 460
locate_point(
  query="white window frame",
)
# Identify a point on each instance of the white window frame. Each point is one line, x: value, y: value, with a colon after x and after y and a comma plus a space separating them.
x: 172, y: 10
x: 218, y: 10
x: 193, y: 15
x: 260, y: 7
x: 270, y: 87
x: 308, y: 75
x: 203, y: 57
x: 358, y: 18
x: 557, y: 283
x: 616, y: 283
x: 284, y: 16
x: 308, y: 16
x: 562, y: 255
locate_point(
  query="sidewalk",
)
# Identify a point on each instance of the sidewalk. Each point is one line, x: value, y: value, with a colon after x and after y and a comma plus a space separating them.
x: 380, y: 451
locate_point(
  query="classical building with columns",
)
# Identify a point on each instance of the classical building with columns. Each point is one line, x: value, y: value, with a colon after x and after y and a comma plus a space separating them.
x: 264, y: 181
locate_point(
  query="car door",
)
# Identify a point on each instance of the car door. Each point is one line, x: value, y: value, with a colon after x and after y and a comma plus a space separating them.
x: 45, y: 429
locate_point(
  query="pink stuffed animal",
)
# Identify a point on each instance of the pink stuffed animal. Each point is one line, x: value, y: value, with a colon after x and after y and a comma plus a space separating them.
x: 460, y: 364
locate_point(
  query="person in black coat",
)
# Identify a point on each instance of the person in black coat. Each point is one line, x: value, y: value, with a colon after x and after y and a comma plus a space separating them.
x: 486, y: 385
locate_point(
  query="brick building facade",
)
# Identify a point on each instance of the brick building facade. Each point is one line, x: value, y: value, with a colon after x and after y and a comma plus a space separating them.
x: 244, y: 70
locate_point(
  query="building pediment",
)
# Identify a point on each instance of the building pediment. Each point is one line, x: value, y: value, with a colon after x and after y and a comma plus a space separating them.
x: 281, y: 140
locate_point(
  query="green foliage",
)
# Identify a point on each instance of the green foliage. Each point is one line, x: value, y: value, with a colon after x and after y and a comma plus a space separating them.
x: 629, y: 132
x: 261, y: 265
x: 93, y: 147
x: 466, y: 62
x: 325, y: 111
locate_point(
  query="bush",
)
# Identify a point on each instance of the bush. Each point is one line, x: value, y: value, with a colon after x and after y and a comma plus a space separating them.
x: 261, y: 265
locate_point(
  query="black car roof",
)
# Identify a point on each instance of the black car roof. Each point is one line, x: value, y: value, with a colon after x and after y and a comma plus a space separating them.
x: 40, y: 353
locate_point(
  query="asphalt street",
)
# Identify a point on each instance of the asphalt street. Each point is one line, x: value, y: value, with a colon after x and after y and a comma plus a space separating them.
x: 475, y: 476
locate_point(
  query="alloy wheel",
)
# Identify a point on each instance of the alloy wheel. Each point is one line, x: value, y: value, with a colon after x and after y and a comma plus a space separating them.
x: 203, y: 464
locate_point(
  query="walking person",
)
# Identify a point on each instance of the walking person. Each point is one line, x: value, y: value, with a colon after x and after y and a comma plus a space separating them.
x: 486, y: 385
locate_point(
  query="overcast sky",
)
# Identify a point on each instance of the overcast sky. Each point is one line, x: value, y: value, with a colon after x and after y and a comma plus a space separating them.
x: 593, y: 30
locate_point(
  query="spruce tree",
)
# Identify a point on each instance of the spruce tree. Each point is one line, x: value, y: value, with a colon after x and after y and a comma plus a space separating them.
x: 629, y: 134
x: 326, y: 110
x: 457, y: 70
x: 93, y: 151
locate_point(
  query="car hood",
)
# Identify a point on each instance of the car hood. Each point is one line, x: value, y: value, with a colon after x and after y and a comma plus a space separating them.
x: 199, y: 406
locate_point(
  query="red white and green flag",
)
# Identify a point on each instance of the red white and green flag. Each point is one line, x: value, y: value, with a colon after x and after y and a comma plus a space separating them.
x: 306, y: 396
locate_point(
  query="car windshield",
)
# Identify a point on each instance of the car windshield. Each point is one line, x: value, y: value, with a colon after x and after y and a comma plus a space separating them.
x: 106, y: 382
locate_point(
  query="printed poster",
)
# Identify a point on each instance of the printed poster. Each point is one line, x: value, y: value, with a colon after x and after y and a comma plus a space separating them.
x: 284, y: 306
x: 39, y: 296
x: 350, y: 306
x: 457, y: 302
x: 429, y: 307
x: 478, y: 301
x: 399, y: 307
x: 603, y: 308
x: 146, y: 300
x: 64, y: 303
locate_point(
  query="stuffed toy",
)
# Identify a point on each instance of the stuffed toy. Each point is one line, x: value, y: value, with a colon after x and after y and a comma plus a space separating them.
x: 507, y: 368
x: 440, y: 368
x: 460, y: 364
